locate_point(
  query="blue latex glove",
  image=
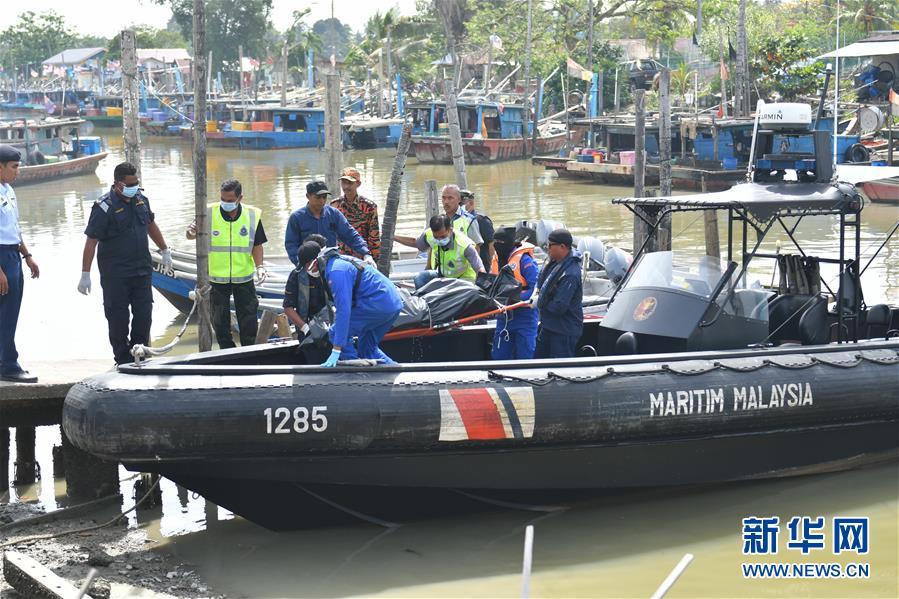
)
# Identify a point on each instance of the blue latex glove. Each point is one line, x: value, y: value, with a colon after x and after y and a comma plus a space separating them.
x: 331, y: 362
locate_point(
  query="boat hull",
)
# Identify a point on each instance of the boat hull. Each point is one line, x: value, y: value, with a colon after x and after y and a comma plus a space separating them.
x: 884, y: 190
x: 437, y: 150
x: 57, y: 170
x: 546, y: 427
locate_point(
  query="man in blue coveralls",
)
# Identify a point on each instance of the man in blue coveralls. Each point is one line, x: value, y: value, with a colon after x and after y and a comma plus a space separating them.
x: 365, y: 301
x: 12, y: 251
x: 318, y: 217
x: 516, y: 331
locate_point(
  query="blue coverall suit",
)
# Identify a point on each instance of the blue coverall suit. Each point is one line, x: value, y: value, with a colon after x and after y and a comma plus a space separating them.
x: 561, y: 311
x: 123, y: 256
x: 516, y: 331
x: 376, y: 307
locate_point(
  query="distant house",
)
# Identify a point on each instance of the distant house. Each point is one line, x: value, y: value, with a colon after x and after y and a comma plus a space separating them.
x: 632, y: 49
x: 160, y: 65
x: 82, y: 64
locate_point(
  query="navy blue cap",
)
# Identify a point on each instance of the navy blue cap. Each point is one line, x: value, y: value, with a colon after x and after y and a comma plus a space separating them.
x: 9, y: 154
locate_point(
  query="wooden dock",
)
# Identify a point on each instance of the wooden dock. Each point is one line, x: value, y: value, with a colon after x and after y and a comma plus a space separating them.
x: 37, y: 404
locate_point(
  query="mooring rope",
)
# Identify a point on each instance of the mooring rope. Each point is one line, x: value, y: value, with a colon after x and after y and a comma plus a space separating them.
x: 141, y: 352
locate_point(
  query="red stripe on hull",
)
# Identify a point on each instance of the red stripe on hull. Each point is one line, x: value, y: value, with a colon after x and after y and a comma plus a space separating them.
x: 479, y: 414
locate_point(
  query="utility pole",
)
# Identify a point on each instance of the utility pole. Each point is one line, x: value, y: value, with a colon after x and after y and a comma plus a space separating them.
x: 590, y: 35
x: 243, y: 97
x: 204, y: 332
x: 130, y: 100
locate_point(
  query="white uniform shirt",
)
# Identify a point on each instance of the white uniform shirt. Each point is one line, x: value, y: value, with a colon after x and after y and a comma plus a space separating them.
x: 9, y: 216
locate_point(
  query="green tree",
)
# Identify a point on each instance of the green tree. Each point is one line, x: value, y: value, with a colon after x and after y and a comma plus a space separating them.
x: 872, y: 14
x: 335, y: 36
x: 35, y: 38
x: 229, y: 24
x: 147, y: 37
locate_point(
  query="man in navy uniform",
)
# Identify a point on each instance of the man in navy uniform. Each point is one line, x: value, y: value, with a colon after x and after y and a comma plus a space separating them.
x: 12, y: 251
x: 560, y: 296
x: 117, y: 231
x: 320, y: 218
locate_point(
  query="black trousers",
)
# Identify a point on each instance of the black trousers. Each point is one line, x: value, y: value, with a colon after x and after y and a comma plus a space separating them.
x: 124, y: 299
x: 245, y: 304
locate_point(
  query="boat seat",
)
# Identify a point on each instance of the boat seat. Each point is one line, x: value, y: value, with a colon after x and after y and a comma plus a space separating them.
x: 877, y: 317
x: 626, y: 344
x: 795, y: 317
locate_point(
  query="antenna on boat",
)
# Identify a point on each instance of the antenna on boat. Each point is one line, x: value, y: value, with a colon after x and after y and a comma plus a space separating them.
x: 755, y: 129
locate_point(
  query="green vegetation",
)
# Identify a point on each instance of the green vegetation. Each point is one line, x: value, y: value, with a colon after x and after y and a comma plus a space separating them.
x: 783, y: 38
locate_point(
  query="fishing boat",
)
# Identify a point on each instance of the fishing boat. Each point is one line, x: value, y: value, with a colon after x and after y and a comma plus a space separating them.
x: 267, y: 127
x: 882, y: 190
x: 491, y: 132
x: 366, y: 132
x: 52, y: 148
x: 691, y: 374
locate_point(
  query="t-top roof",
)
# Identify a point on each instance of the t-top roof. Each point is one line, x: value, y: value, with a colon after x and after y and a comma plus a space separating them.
x: 763, y: 201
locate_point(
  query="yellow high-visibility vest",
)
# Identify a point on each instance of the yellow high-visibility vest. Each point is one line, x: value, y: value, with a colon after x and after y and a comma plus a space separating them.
x: 453, y: 263
x: 231, y: 245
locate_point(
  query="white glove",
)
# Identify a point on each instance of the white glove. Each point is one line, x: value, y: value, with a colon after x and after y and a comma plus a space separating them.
x: 261, y: 275
x: 84, y: 285
x: 167, y: 258
x: 369, y: 260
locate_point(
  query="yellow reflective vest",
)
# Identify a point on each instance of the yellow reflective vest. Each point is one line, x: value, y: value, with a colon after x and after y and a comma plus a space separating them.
x: 450, y: 261
x: 231, y: 245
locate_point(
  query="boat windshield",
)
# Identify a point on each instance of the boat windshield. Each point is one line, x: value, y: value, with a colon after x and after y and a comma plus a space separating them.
x: 697, y: 275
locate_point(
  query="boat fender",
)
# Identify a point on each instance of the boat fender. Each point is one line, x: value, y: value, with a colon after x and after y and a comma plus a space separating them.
x: 858, y: 153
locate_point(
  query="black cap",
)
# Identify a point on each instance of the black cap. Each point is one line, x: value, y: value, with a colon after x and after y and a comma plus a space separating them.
x: 317, y: 188
x: 307, y: 253
x: 466, y: 194
x: 9, y: 154
x: 561, y: 236
x: 505, y: 235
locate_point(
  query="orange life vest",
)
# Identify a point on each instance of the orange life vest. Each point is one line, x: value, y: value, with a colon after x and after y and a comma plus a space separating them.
x: 515, y: 263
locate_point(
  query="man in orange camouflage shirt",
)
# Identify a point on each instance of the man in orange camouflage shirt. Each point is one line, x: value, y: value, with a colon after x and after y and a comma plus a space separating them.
x: 360, y: 212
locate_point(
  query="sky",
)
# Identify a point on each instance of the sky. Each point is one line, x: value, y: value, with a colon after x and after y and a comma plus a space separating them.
x: 118, y: 14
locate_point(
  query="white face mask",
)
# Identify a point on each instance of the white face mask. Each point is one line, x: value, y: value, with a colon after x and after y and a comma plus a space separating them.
x: 313, y: 273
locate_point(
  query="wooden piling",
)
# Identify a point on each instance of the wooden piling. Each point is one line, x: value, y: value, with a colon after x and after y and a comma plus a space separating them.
x: 284, y: 74
x: 4, y: 460
x: 640, y: 228
x: 88, y: 477
x: 388, y: 228
x: 527, y: 78
x: 266, y: 326
x: 332, y: 130
x: 455, y: 134
x: 24, y: 472
x: 664, y: 231
x: 130, y: 100
x: 432, y: 205
x: 204, y: 332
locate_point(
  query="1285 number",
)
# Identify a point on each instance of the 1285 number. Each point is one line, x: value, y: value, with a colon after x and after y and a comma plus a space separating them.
x: 282, y: 421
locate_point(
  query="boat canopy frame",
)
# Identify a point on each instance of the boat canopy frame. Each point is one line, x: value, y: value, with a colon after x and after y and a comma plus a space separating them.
x: 761, y: 206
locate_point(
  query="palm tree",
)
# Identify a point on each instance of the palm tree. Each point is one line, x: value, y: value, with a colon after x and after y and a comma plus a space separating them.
x: 871, y: 13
